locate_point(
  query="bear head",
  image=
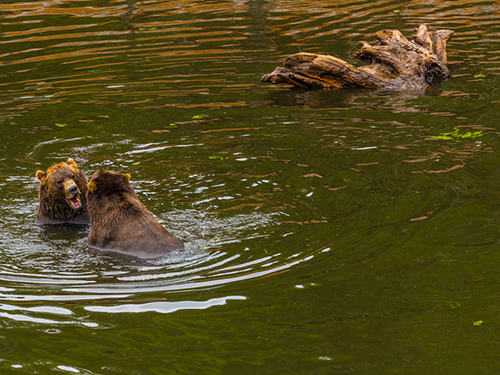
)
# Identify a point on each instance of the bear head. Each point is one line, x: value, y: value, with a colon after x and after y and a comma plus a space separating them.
x: 108, y: 183
x: 64, y: 184
x: 109, y: 191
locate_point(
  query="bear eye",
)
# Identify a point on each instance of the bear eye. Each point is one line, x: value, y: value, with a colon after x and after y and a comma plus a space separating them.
x: 59, y: 182
x: 73, y: 176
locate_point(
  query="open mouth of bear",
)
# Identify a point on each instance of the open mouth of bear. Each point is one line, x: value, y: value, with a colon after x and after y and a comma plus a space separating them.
x: 75, y: 201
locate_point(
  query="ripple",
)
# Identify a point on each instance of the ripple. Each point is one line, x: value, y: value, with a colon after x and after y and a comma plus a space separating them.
x: 53, y: 266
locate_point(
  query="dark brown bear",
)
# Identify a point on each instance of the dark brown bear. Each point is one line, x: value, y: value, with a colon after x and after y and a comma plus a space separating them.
x: 121, y: 223
x: 62, y: 195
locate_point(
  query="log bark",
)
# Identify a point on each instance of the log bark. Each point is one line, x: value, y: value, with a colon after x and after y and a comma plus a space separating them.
x: 395, y: 63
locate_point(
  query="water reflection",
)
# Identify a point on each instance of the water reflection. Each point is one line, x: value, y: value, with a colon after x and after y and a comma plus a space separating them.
x: 165, y: 307
x: 350, y: 98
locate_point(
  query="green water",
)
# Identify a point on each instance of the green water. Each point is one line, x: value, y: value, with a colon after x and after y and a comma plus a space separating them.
x: 326, y: 232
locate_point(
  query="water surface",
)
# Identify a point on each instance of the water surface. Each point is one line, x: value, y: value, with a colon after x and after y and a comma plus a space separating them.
x: 326, y: 232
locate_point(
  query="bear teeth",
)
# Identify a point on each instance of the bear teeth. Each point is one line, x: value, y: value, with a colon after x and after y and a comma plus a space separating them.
x: 75, y: 202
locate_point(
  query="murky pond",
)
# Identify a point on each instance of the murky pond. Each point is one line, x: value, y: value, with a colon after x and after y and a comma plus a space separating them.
x: 326, y: 232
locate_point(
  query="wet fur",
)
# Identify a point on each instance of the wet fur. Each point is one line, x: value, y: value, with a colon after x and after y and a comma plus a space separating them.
x: 54, y: 207
x: 121, y: 223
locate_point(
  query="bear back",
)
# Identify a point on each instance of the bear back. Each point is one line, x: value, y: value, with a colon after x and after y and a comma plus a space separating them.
x: 121, y: 223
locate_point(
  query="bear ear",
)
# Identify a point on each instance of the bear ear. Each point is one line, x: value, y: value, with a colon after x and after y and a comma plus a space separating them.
x: 126, y: 178
x: 71, y: 162
x: 40, y: 175
x: 92, y: 186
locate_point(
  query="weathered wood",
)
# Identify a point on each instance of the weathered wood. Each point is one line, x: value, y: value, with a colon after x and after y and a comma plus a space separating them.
x: 395, y: 63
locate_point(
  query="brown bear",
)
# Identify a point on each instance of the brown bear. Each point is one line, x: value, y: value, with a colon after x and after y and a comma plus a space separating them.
x: 121, y: 223
x: 62, y: 195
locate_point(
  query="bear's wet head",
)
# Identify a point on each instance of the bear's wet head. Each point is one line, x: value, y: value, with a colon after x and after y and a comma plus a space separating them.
x: 62, y: 183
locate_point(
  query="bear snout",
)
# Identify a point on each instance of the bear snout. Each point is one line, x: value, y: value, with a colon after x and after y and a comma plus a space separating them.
x: 73, y: 194
x: 73, y: 189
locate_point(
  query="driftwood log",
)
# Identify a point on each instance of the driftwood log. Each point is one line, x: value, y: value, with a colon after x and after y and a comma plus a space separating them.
x: 395, y: 63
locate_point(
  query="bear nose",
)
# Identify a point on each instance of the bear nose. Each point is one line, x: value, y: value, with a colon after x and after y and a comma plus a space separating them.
x: 73, y: 189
